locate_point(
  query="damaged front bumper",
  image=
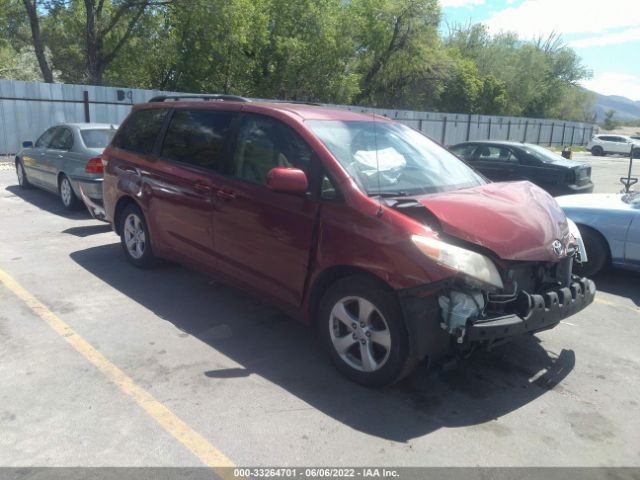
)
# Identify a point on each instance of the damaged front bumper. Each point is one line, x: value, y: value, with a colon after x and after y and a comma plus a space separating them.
x: 91, y: 194
x: 537, y: 312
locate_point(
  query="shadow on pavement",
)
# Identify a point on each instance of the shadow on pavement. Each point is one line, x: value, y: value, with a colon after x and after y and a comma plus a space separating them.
x: 267, y: 343
x: 88, y: 230
x: 48, y: 202
x: 620, y: 282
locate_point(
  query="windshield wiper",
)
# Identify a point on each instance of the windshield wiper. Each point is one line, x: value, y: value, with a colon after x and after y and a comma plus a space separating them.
x: 389, y: 194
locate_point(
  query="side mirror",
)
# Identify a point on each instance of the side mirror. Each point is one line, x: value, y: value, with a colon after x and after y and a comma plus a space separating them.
x: 27, y: 144
x: 287, y: 180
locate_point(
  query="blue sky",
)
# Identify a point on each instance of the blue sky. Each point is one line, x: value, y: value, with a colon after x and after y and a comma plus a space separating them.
x: 606, y: 34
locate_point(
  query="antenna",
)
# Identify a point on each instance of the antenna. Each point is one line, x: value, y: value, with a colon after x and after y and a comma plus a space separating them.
x: 375, y: 145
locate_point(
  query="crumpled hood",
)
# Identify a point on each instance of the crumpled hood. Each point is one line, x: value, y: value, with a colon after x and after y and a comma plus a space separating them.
x: 515, y: 220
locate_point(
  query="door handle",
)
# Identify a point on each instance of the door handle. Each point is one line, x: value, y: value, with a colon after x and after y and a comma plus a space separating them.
x: 202, y: 187
x: 225, y: 195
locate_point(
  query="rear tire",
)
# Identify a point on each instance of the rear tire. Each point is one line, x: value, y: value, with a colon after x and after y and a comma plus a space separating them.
x: 23, y: 181
x: 69, y: 199
x: 134, y: 237
x: 597, y: 254
x: 597, y: 151
x: 363, y: 331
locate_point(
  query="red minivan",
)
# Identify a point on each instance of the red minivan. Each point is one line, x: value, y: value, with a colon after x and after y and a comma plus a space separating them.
x: 391, y: 246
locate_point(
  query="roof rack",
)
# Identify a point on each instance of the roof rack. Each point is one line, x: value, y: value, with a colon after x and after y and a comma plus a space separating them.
x: 295, y: 102
x: 176, y: 98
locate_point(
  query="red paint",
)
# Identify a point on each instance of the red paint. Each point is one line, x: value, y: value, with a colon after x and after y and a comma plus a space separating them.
x: 287, y: 180
x: 515, y: 220
x: 276, y: 244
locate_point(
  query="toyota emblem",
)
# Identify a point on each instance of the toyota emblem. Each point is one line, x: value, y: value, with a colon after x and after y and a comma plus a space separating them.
x: 557, y: 247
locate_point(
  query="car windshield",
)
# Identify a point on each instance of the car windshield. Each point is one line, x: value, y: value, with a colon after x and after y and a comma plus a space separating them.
x: 543, y: 154
x: 97, y: 137
x: 392, y: 159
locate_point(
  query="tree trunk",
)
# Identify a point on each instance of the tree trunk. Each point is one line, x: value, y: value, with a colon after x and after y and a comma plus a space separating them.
x: 395, y: 44
x: 93, y: 44
x: 32, y: 11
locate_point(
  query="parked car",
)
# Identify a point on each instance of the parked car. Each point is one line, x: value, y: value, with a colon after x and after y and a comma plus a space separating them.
x: 610, y: 228
x: 509, y: 161
x: 390, y: 245
x: 601, y: 145
x: 66, y: 160
x: 635, y: 138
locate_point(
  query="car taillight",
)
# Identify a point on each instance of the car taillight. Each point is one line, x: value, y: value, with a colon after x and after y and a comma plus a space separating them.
x: 94, y: 165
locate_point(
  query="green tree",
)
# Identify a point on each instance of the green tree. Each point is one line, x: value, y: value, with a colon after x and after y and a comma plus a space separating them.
x: 398, y: 52
x: 609, y: 123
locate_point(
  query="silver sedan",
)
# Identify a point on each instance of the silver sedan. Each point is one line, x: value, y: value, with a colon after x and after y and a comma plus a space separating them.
x: 66, y: 160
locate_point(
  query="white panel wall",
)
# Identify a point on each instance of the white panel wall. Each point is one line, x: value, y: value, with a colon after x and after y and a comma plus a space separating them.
x: 29, y: 108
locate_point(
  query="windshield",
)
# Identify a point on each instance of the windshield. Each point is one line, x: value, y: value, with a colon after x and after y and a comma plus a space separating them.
x: 97, y: 138
x: 543, y: 154
x: 393, y: 159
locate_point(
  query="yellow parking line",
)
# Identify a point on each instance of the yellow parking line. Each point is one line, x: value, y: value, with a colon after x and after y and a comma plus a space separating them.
x: 614, y: 304
x: 168, y: 420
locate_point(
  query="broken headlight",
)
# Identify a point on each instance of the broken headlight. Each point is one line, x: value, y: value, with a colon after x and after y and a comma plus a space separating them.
x: 471, y: 264
x: 575, y: 232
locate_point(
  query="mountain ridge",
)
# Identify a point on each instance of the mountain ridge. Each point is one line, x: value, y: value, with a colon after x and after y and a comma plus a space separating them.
x: 626, y: 109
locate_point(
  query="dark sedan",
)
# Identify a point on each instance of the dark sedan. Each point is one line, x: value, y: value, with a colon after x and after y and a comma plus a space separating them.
x: 510, y: 161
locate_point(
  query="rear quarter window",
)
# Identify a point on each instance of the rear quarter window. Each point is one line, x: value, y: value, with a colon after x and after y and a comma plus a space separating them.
x: 140, y: 131
x: 197, y: 137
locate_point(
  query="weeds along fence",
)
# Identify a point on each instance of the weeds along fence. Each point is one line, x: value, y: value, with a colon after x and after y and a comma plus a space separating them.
x: 29, y: 108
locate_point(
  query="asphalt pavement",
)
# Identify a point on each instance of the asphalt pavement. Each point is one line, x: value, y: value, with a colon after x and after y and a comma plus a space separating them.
x: 106, y: 365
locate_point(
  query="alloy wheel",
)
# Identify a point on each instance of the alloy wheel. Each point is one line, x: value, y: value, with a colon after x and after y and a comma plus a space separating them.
x: 360, y: 334
x: 66, y: 192
x: 20, y: 173
x: 134, y: 236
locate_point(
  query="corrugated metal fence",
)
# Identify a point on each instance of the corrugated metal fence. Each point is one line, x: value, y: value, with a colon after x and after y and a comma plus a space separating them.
x: 29, y: 108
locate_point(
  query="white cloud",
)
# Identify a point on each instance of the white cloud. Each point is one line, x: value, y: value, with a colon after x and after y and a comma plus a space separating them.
x: 460, y: 3
x: 614, y: 83
x: 540, y: 17
x: 629, y: 35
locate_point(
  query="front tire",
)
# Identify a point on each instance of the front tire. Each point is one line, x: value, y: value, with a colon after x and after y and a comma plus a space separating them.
x: 23, y: 181
x: 597, y: 151
x: 134, y: 237
x: 363, y: 331
x: 597, y: 254
x: 69, y: 199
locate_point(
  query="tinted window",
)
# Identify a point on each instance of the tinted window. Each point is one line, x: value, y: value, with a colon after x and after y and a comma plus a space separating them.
x: 197, y: 137
x: 265, y: 143
x: 543, y: 154
x: 463, y: 151
x: 495, y: 154
x: 606, y: 138
x: 97, y: 138
x: 140, y: 131
x: 63, y: 140
x: 46, y: 137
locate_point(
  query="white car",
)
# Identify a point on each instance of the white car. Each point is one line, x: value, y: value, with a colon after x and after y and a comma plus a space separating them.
x: 600, y: 145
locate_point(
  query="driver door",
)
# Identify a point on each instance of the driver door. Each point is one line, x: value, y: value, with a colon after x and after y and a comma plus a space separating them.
x: 632, y: 244
x: 261, y: 237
